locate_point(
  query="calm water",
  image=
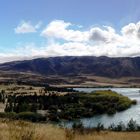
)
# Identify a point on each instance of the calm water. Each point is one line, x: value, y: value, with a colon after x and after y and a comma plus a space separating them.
x: 124, y: 116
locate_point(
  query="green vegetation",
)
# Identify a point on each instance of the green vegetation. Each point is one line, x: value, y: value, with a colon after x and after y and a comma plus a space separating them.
x: 67, y: 106
x: 107, y: 101
x: 131, y: 126
x: 30, y: 116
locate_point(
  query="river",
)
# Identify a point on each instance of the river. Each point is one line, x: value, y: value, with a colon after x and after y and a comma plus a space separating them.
x: 107, y: 120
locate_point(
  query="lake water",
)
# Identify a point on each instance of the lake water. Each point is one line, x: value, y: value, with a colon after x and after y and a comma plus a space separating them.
x: 124, y: 116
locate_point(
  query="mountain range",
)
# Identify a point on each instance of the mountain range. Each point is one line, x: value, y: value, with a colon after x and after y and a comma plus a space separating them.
x: 78, y: 65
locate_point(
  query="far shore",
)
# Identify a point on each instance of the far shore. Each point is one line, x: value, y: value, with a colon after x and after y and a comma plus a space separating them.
x: 91, y: 86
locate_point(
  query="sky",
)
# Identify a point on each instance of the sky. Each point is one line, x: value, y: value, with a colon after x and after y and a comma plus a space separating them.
x: 48, y: 28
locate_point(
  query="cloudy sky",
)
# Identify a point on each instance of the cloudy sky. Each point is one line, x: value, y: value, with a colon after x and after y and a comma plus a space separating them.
x: 44, y: 28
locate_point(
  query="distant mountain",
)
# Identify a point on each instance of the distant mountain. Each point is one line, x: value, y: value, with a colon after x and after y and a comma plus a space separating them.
x: 74, y: 65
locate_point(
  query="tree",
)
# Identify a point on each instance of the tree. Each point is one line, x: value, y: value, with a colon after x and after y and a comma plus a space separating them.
x: 132, y: 125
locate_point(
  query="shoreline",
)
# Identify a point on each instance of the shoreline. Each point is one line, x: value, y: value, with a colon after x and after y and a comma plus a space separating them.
x: 90, y: 86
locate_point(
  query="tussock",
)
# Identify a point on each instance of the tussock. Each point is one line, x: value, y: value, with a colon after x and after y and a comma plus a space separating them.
x: 21, y: 130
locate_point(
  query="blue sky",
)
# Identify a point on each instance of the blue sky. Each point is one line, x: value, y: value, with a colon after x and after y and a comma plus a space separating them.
x: 80, y: 16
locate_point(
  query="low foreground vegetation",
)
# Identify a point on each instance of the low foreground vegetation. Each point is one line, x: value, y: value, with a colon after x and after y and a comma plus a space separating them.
x: 20, y: 130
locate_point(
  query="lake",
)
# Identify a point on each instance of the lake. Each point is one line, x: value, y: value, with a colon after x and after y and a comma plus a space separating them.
x: 124, y: 116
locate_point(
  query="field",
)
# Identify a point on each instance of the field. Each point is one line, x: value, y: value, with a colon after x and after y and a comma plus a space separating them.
x: 20, y: 130
x: 9, y: 77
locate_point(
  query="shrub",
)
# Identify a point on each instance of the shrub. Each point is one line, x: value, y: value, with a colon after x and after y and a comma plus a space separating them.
x: 132, y: 125
x: 34, y: 117
x: 99, y: 127
x: 122, y: 107
x: 11, y: 115
x: 134, y: 102
x: 54, y: 117
x: 111, y: 111
x: 78, y: 126
x: 118, y: 127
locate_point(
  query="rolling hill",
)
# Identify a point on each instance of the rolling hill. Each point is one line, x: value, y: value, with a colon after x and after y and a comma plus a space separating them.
x: 73, y: 66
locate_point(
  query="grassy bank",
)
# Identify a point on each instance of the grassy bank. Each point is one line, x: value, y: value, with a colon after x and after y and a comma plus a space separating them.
x: 20, y: 130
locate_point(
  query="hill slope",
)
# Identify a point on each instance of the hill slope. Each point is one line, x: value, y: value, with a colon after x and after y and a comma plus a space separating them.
x: 84, y: 65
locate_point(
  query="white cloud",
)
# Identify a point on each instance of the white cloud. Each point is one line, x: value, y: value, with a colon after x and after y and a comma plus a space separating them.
x: 132, y: 31
x: 106, y: 35
x: 60, y: 29
x: 93, y: 42
x: 26, y: 27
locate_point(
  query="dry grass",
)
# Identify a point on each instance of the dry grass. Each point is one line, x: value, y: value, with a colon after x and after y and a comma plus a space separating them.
x: 20, y: 130
x: 110, y: 136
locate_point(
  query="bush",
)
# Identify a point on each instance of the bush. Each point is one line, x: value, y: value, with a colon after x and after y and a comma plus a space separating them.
x: 54, y: 117
x: 11, y: 115
x: 132, y: 125
x: 111, y: 111
x: 99, y: 127
x: 34, y: 117
x: 134, y: 102
x: 78, y: 126
x: 30, y: 116
x: 118, y: 127
x: 122, y: 107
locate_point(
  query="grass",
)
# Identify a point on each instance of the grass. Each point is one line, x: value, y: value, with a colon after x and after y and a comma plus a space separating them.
x: 20, y: 89
x: 109, y: 94
x: 21, y: 130
x: 104, y: 93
